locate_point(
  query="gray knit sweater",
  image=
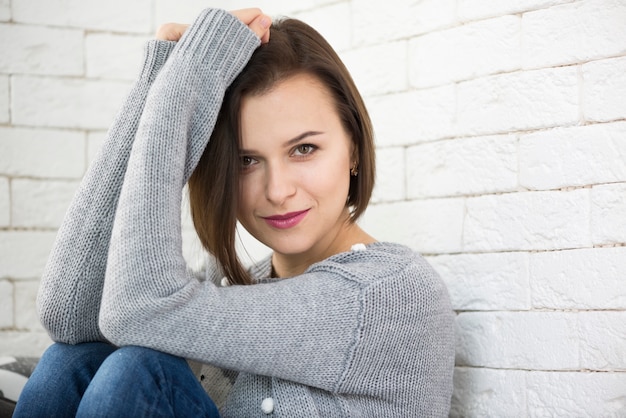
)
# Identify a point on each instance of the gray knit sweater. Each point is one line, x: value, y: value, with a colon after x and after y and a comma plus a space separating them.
x: 366, y: 333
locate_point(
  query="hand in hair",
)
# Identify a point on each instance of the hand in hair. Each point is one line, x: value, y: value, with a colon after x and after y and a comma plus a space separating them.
x: 258, y: 22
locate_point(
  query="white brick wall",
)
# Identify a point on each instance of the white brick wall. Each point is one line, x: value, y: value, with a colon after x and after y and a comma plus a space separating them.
x: 585, y: 279
x: 5, y: 206
x: 608, y: 214
x: 575, y: 156
x: 572, y: 33
x: 604, y: 88
x: 113, y: 56
x: 518, y: 101
x: 42, y: 153
x: 65, y: 102
x: 113, y: 15
x: 4, y: 99
x: 30, y: 49
x: 501, y: 129
x: 447, y: 56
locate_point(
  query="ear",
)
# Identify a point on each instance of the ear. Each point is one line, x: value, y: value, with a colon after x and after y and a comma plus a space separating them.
x: 354, y: 154
x: 354, y: 160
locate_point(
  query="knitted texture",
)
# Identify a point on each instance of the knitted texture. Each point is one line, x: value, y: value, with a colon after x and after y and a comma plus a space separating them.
x: 362, y: 333
x: 71, y: 286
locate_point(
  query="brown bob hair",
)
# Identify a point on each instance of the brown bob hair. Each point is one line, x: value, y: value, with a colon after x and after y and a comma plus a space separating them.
x: 294, y: 48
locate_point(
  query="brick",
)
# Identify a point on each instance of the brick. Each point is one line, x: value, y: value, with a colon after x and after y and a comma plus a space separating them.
x: 518, y: 340
x: 375, y: 22
x: 113, y: 56
x: 608, y: 214
x: 576, y: 394
x: 5, y: 10
x: 66, y: 103
x: 462, y: 166
x: 114, y: 15
x: 42, y: 153
x: 187, y: 11
x: 518, y: 101
x: 428, y: 226
x: 573, y: 33
x: 95, y: 140
x: 176, y: 11
x: 41, y: 50
x: 465, y: 52
x: 331, y: 22
x: 602, y: 340
x: 41, y: 203
x: 604, y: 89
x: 28, y: 344
x: 25, y: 302
x: 4, y: 99
x: 528, y: 221
x: 413, y: 117
x: 23, y: 254
x: 591, y: 278
x: 5, y: 202
x: 378, y: 69
x: 575, y: 156
x: 6, y: 304
x: 390, y: 175
x: 289, y: 6
x: 478, y: 282
x: 480, y: 9
x: 486, y: 392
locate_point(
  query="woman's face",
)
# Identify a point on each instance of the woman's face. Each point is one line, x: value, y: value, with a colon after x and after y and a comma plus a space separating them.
x: 295, y: 169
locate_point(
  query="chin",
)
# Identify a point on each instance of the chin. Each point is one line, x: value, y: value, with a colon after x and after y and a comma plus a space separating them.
x: 289, y: 247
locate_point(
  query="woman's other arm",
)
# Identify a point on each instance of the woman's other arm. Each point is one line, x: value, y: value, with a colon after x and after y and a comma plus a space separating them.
x: 71, y: 286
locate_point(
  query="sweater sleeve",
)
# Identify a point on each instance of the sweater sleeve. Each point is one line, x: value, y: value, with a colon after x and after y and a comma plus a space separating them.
x: 71, y: 286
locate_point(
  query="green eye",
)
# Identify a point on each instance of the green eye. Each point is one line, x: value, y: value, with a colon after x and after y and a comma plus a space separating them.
x: 304, y: 149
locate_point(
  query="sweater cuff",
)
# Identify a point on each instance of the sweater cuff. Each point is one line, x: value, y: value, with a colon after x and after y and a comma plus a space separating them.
x: 221, y: 40
x: 156, y: 53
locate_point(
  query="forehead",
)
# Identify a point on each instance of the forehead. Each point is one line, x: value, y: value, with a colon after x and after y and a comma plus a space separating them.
x: 299, y: 102
x: 306, y: 86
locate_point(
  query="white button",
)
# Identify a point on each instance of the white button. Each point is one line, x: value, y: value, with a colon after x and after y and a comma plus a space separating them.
x: 225, y: 282
x: 267, y: 406
x: 359, y: 247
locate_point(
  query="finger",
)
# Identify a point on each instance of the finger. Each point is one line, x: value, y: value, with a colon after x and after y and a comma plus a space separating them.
x: 261, y: 27
x: 247, y: 15
x: 171, y: 31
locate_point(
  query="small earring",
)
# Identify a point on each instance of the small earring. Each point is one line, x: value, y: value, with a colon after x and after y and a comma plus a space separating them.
x: 354, y: 170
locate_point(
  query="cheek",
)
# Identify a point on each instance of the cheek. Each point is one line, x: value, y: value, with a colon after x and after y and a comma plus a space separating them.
x: 330, y: 179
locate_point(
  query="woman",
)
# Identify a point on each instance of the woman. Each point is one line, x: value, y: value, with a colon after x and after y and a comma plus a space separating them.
x: 333, y: 323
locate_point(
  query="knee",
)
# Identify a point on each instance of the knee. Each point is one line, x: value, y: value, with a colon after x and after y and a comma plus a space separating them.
x: 78, y: 356
x: 138, y: 361
x: 60, y: 351
x: 140, y: 356
x: 130, y: 371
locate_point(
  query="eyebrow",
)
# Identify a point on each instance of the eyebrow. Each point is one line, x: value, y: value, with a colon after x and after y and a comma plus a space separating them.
x: 291, y: 142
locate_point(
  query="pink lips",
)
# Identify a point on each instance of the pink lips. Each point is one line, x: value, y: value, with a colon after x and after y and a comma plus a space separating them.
x: 286, y: 221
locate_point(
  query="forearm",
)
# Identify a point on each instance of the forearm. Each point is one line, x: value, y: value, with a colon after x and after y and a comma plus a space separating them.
x: 71, y: 285
x: 145, y: 264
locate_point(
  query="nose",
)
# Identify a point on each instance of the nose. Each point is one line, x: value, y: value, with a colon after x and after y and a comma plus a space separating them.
x: 280, y: 184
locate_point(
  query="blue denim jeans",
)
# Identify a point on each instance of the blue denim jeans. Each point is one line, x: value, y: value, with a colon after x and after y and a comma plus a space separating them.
x: 99, y: 380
